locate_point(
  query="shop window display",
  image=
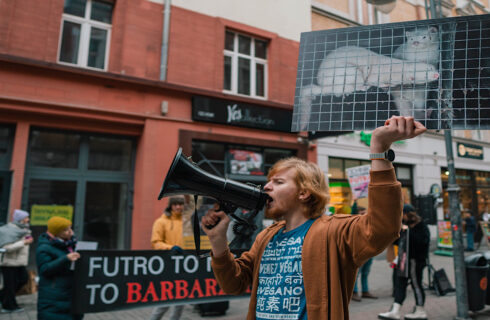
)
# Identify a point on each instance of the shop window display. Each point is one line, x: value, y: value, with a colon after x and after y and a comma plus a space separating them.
x: 474, y: 192
x: 341, y: 199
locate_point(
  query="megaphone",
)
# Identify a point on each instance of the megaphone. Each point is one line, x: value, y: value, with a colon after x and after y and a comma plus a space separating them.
x: 185, y: 177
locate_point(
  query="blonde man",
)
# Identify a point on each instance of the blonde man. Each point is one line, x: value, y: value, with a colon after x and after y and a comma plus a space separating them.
x: 305, y: 265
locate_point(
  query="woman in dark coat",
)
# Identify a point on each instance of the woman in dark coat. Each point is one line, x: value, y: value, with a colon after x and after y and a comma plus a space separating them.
x: 54, y: 255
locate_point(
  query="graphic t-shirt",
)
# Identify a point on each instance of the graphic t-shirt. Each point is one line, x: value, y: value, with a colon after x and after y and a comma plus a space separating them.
x: 281, y: 293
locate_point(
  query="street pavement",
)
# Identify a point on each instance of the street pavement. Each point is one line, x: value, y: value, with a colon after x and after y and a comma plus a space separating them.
x: 438, y: 308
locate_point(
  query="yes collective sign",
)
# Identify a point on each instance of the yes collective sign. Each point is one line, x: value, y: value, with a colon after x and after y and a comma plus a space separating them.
x: 113, y: 279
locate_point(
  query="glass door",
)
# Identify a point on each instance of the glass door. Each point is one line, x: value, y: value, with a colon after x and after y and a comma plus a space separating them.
x: 105, y: 207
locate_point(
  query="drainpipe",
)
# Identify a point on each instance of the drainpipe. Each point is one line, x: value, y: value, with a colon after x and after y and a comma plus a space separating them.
x: 165, y: 35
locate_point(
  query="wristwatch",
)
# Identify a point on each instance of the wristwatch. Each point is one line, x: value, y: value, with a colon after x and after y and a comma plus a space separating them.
x: 387, y: 155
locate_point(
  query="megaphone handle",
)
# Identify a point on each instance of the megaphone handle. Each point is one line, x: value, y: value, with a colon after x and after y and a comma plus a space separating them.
x: 227, y: 207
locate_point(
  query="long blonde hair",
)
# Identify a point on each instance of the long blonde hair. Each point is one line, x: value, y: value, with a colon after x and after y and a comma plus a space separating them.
x: 308, y: 177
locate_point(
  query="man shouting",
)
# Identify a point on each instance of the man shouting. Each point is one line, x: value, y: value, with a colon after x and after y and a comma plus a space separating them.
x: 304, y: 266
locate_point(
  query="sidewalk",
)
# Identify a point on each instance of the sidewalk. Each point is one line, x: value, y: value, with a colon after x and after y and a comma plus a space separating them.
x: 438, y: 308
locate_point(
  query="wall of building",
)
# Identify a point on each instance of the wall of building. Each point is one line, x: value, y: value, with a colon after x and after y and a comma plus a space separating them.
x: 287, y: 18
x: 126, y: 100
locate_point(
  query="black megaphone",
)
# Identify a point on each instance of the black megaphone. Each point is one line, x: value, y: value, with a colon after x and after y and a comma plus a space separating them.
x: 185, y: 177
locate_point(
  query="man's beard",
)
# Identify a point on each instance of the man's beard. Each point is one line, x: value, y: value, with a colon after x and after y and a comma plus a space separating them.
x: 273, y: 214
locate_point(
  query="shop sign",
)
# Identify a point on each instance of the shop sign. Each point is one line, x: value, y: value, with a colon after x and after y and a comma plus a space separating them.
x: 40, y: 214
x: 240, y: 114
x: 108, y: 280
x: 359, y: 180
x: 470, y: 151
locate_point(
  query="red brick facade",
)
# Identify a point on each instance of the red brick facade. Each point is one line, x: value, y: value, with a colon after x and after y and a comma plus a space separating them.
x: 35, y: 90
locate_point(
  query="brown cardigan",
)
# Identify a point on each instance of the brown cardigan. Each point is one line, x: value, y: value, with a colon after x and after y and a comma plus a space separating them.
x: 333, y: 249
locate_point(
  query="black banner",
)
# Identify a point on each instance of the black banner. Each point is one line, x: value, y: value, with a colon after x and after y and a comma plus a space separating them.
x: 116, y: 279
x: 240, y: 114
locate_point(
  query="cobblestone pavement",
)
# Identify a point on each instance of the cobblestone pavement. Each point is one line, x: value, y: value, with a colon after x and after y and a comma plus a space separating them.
x: 438, y: 308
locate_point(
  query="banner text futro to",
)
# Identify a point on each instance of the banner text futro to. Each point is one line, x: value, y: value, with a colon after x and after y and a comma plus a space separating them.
x: 113, y: 279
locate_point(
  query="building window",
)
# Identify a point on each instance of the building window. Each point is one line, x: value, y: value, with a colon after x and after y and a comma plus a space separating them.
x: 243, y: 163
x: 85, y: 33
x: 245, y: 65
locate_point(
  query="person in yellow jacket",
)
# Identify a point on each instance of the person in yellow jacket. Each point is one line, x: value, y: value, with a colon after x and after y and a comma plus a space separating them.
x: 167, y: 235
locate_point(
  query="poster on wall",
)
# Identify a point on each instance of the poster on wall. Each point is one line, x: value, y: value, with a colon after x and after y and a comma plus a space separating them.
x: 40, y: 214
x: 444, y: 234
x: 437, y: 71
x: 120, y: 279
x: 359, y: 181
x: 245, y: 162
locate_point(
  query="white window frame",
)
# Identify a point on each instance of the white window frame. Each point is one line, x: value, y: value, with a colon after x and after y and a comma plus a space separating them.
x: 234, y: 55
x: 86, y: 25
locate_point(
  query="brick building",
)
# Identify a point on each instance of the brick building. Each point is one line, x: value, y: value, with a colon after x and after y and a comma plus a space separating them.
x: 96, y: 96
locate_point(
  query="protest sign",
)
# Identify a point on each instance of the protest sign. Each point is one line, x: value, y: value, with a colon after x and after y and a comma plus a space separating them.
x: 358, y: 180
x: 116, y: 279
x: 445, y: 236
x: 357, y: 77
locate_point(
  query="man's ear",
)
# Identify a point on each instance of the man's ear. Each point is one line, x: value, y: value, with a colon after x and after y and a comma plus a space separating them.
x: 304, y: 195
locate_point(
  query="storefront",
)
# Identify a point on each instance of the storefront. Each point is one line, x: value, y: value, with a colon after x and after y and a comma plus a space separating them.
x: 239, y: 156
x: 341, y: 198
x: 103, y: 170
x: 420, y: 165
x: 474, y: 194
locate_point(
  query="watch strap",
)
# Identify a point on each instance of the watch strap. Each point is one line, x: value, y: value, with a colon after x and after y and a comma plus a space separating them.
x: 388, y: 155
x: 377, y: 156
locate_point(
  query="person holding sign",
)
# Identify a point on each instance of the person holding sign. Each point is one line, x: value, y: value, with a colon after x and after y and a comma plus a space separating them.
x: 305, y: 265
x: 54, y: 256
x: 15, y: 238
x: 167, y: 235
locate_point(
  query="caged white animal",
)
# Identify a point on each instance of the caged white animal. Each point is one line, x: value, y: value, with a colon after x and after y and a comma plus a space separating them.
x: 350, y: 68
x: 422, y: 46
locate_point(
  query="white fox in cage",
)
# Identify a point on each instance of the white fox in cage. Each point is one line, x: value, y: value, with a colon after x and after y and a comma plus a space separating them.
x: 350, y: 68
x: 422, y: 45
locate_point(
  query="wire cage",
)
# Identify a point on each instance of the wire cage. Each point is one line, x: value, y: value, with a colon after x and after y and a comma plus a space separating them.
x: 437, y: 71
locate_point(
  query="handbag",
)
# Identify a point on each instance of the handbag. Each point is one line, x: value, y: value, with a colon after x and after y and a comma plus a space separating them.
x: 31, y: 286
x: 441, y: 283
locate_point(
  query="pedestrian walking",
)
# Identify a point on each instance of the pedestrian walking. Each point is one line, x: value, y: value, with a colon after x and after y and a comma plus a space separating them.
x: 54, y: 256
x: 418, y: 251
x: 167, y: 235
x: 363, y: 270
x: 305, y: 265
x: 470, y: 225
x: 15, y: 238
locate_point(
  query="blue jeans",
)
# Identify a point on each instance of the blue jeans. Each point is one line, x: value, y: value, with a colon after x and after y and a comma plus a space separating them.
x: 470, y: 241
x: 364, y: 271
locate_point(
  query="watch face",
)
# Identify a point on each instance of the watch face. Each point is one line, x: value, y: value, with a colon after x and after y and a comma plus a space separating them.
x: 390, y: 155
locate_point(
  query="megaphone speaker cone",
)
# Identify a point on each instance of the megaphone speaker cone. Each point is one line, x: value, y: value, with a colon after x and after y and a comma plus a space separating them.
x: 184, y: 177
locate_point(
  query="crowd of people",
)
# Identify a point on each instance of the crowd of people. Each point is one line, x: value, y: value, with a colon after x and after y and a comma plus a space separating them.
x: 55, y: 253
